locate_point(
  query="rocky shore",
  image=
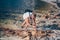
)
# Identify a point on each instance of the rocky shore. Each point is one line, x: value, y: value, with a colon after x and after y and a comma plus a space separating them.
x: 47, y: 27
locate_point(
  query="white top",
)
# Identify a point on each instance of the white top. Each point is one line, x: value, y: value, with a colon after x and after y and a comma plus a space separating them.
x: 26, y: 15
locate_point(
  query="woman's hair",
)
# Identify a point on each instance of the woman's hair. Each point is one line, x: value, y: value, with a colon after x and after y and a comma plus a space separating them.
x: 27, y: 10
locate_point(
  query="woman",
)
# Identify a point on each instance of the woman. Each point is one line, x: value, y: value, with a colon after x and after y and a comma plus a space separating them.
x: 29, y: 18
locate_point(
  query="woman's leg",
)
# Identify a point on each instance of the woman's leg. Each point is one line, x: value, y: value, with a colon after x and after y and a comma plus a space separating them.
x: 23, y: 23
x: 27, y: 22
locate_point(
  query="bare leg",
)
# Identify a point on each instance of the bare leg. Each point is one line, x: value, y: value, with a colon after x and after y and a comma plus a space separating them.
x: 23, y: 23
x: 26, y: 22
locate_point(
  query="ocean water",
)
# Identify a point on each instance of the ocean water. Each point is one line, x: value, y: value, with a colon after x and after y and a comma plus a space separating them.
x: 8, y: 7
x: 20, y: 5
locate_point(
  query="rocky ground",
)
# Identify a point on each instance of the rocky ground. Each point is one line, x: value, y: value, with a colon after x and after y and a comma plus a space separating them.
x: 8, y: 34
x: 49, y: 28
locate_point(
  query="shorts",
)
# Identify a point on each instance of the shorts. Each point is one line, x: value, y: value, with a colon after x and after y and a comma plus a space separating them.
x: 26, y: 15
